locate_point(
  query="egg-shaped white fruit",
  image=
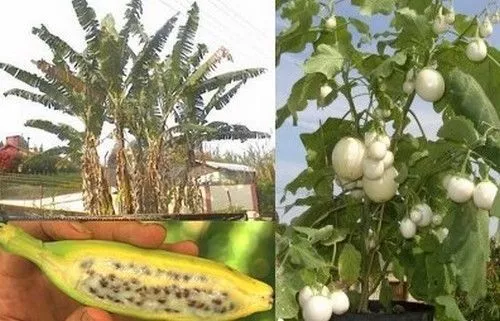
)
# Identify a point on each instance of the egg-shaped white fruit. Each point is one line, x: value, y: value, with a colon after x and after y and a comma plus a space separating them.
x: 347, y: 158
x: 426, y: 214
x: 305, y: 294
x: 388, y: 159
x: 437, y: 219
x: 331, y: 23
x: 415, y: 216
x: 446, y: 180
x: 430, y: 85
x: 382, y: 189
x: 439, y: 25
x: 476, y: 50
x: 340, y: 302
x: 486, y: 28
x: 317, y: 308
x: 407, y: 228
x: 370, y: 138
x: 373, y: 169
x: 484, y: 195
x: 460, y: 189
x: 408, y: 87
x: 377, y: 150
x: 385, y: 139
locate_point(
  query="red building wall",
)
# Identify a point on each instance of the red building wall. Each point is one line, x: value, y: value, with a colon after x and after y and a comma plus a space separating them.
x: 9, y: 158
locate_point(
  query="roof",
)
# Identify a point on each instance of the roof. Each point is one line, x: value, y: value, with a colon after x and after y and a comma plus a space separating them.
x: 228, y: 166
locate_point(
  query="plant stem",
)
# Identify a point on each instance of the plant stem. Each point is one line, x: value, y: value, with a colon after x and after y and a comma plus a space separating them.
x: 406, y: 109
x: 366, y: 264
x: 418, y: 123
x: 348, y: 95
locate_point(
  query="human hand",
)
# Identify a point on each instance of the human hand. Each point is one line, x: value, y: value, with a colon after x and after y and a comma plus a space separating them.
x: 27, y: 295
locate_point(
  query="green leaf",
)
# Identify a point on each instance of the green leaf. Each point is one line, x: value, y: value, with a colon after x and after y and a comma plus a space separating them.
x: 386, y: 68
x: 415, y: 30
x: 361, y: 26
x: 349, y: 264
x: 371, y: 7
x: 338, y: 235
x: 302, y: 253
x: 316, y: 235
x: 471, y: 260
x: 326, y: 60
x: 460, y: 130
x: 450, y: 307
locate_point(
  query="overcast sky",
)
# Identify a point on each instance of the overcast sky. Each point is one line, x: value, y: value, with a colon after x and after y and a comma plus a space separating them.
x: 246, y: 28
x: 291, y: 155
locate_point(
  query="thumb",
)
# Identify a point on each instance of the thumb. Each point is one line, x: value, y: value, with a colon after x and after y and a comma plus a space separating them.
x: 89, y: 314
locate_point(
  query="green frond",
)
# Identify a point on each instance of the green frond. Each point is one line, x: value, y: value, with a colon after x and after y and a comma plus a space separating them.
x: 202, y: 72
x: 150, y: 53
x: 63, y: 131
x: 185, y: 38
x: 88, y: 20
x: 220, y: 101
x: 50, y: 89
x: 198, y: 56
x: 133, y: 25
x: 227, y: 78
x: 226, y: 131
x: 60, y: 47
x: 37, y: 98
x: 110, y: 55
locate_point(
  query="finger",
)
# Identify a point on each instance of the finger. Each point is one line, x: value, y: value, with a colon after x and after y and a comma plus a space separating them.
x: 55, y: 230
x: 185, y: 247
x: 135, y: 233
x: 89, y: 314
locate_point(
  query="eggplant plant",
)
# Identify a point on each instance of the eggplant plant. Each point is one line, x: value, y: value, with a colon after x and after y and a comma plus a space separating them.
x: 386, y: 202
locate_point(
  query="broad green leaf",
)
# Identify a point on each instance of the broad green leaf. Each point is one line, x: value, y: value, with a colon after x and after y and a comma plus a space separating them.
x: 415, y: 30
x: 302, y: 253
x: 450, y: 307
x: 371, y: 7
x: 436, y: 275
x: 386, y: 67
x: 471, y: 260
x: 361, y: 26
x: 338, y: 235
x: 287, y: 284
x: 460, y: 130
x: 326, y: 60
x: 349, y: 264
x: 305, y: 89
x: 460, y: 220
x: 316, y: 235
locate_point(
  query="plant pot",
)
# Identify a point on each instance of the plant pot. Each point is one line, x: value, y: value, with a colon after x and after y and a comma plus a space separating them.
x: 399, y: 290
x: 403, y: 311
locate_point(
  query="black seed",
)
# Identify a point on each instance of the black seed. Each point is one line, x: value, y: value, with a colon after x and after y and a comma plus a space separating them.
x: 118, y: 265
x: 191, y: 303
x: 111, y: 276
x: 134, y: 281
x: 156, y: 290
x: 162, y: 301
x: 207, y: 308
x: 118, y: 301
x: 187, y: 277
x: 178, y: 294
x: 92, y: 290
x: 217, y: 301
x: 130, y: 299
x: 109, y: 297
x: 231, y: 306
x: 167, y: 291
x: 127, y: 288
x: 223, y: 310
x: 197, y: 290
x: 224, y: 294
x: 200, y: 305
x: 116, y: 290
x: 90, y: 272
x: 103, y: 283
x: 139, y: 303
x: 186, y: 293
x: 100, y: 297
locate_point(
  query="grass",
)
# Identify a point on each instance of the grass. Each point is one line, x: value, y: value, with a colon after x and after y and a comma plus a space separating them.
x: 27, y: 186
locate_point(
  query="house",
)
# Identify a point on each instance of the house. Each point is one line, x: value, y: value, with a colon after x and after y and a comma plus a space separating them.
x: 11, y: 151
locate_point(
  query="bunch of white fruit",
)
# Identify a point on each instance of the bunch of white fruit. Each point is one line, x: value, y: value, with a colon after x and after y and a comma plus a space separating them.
x: 421, y: 215
x: 461, y: 189
x: 367, y: 165
x: 441, y: 23
x: 319, y: 305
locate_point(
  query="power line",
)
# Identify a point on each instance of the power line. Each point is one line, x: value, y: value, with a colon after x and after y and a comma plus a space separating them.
x: 242, y: 18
